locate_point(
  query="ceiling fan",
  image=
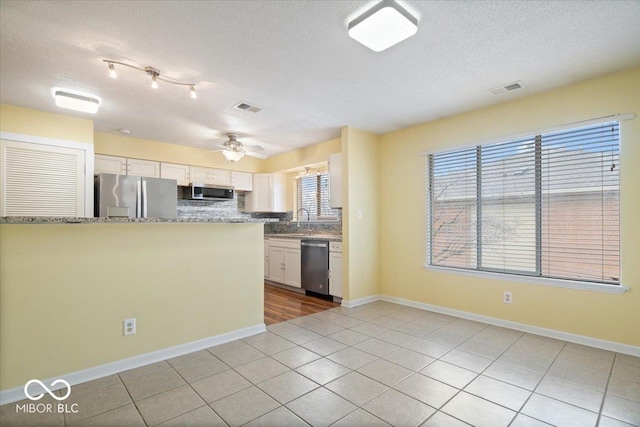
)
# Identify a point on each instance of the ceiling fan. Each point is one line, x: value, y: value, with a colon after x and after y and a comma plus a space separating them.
x: 233, y: 150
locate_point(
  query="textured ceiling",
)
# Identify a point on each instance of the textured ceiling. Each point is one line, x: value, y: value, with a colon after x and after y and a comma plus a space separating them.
x: 295, y: 60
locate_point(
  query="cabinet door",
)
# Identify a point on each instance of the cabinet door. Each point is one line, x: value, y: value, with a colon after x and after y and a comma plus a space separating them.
x: 335, y: 180
x: 335, y: 274
x: 276, y: 264
x: 266, y: 258
x: 173, y: 171
x: 220, y: 177
x: 292, y: 264
x: 242, y: 181
x: 199, y: 174
x: 41, y: 180
x: 261, y: 196
x: 279, y: 192
x: 147, y: 168
x: 110, y: 164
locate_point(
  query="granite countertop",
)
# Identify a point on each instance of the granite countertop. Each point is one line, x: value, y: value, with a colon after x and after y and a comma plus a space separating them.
x: 102, y: 220
x: 328, y: 237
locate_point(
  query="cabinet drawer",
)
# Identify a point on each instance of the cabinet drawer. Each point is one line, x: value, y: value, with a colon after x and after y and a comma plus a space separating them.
x: 335, y: 246
x: 284, y: 243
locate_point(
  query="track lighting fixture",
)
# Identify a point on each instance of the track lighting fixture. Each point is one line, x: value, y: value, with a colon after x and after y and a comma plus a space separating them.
x: 155, y: 76
x: 112, y: 71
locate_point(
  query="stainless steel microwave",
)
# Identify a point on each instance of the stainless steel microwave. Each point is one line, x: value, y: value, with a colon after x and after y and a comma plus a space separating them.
x: 201, y: 191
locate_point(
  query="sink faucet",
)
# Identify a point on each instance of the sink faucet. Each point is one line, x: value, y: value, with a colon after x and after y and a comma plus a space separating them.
x: 308, y: 219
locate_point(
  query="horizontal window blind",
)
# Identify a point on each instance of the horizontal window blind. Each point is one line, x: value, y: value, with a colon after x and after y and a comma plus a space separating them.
x: 547, y: 205
x: 311, y: 192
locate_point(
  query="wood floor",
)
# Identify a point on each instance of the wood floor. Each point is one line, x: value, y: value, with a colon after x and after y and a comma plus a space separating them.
x: 281, y: 304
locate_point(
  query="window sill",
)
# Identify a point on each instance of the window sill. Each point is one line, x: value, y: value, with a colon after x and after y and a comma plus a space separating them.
x: 558, y: 283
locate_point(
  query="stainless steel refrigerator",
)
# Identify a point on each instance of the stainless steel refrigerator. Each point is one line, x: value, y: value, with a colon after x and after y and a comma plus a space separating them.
x: 134, y: 196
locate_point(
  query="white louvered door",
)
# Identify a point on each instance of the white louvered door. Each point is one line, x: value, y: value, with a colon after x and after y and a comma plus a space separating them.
x: 41, y: 180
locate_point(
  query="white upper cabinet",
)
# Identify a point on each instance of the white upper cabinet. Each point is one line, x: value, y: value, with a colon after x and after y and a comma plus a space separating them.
x: 221, y: 177
x: 269, y: 193
x: 199, y: 174
x: 335, y: 180
x: 124, y: 166
x: 210, y: 176
x: 242, y: 181
x: 174, y: 171
x: 147, y: 168
x: 110, y: 164
x: 45, y: 179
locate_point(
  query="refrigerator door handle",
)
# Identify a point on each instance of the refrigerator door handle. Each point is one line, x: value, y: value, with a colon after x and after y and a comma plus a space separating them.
x: 139, y: 200
x: 144, y: 198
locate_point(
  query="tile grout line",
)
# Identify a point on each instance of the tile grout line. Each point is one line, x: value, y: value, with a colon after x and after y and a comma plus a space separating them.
x: 479, y: 374
x: 132, y: 400
x: 606, y: 388
x: 538, y: 384
x: 193, y: 389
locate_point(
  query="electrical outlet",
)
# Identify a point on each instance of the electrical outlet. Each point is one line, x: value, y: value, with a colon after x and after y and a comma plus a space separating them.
x: 130, y: 326
x: 507, y: 298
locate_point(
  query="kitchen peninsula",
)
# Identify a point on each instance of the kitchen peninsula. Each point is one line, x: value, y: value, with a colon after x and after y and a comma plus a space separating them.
x: 69, y: 283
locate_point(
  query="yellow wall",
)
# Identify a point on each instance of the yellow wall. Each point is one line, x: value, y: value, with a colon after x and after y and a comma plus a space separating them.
x: 360, y: 235
x: 402, y: 213
x: 304, y: 156
x: 125, y: 146
x: 65, y: 290
x: 38, y: 123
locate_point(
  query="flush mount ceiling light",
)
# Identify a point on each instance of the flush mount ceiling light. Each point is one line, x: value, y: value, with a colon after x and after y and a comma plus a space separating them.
x: 76, y: 102
x: 382, y: 26
x: 155, y: 76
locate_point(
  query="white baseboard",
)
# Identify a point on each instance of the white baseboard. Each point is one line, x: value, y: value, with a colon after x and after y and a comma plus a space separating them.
x: 551, y: 333
x: 79, y: 377
x: 360, y: 301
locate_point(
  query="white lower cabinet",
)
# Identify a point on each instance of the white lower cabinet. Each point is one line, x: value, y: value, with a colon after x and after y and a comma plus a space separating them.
x: 335, y: 269
x: 284, y: 261
x: 266, y: 258
x: 292, y: 267
x: 276, y: 264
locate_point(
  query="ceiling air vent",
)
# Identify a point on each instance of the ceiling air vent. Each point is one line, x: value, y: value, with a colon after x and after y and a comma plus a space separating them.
x: 506, y: 88
x: 247, y: 107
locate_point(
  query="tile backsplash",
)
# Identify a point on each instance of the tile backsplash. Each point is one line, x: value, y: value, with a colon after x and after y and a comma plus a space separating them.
x: 288, y: 225
x: 188, y: 208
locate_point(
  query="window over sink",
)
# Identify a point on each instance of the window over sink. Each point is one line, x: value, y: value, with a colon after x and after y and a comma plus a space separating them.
x: 311, y: 192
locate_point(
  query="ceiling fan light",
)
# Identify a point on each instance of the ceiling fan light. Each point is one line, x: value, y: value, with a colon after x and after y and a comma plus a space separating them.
x: 76, y: 102
x: 232, y: 156
x: 382, y: 26
x: 192, y: 91
x: 154, y: 82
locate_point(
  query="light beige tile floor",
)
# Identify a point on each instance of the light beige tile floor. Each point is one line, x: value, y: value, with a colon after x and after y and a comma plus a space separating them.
x: 375, y: 365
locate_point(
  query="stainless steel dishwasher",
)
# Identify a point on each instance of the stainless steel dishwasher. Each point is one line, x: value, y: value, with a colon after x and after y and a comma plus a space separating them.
x: 315, y: 266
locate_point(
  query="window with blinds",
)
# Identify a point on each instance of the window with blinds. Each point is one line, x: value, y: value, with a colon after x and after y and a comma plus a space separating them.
x: 546, y: 206
x: 312, y: 193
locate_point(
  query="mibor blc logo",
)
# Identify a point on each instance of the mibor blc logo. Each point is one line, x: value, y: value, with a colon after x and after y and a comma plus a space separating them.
x: 50, y: 408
